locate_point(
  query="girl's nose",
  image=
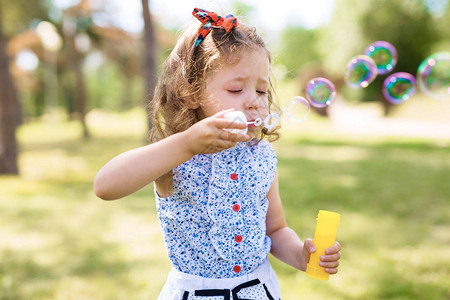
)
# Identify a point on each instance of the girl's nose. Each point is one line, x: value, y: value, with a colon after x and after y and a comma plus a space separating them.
x: 252, y: 103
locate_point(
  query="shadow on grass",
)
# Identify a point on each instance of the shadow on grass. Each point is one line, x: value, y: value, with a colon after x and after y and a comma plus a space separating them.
x: 378, y: 180
x: 391, y: 195
x: 418, y: 145
x: 20, y: 269
x: 388, y: 282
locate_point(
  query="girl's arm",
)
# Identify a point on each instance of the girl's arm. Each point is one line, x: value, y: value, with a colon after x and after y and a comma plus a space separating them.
x: 286, y: 245
x: 134, y: 169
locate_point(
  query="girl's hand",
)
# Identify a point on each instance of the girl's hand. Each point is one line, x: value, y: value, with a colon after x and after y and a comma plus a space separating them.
x: 208, y: 136
x: 330, y: 260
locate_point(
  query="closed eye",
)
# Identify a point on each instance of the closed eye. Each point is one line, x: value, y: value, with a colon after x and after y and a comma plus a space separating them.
x: 234, y: 91
x: 262, y: 92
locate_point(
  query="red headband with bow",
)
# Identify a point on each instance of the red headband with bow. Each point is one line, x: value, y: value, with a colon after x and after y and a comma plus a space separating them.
x: 210, y: 19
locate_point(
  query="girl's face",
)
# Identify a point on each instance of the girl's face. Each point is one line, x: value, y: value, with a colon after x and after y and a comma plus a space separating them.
x: 242, y: 86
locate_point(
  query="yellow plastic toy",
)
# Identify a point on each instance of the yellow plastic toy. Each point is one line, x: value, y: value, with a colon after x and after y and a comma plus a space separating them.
x: 324, y: 237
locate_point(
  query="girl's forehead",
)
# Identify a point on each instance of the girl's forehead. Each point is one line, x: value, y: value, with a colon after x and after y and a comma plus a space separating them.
x: 250, y: 63
x: 254, y: 53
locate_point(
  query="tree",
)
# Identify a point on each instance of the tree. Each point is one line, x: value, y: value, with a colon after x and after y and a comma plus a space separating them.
x: 76, y: 20
x: 300, y: 56
x: 20, y: 13
x: 123, y: 50
x: 407, y: 25
x: 30, y: 84
x: 9, y: 105
x: 150, y: 70
x: 400, y: 25
x: 298, y: 49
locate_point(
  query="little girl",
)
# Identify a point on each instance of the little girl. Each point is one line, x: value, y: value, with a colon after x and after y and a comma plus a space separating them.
x: 216, y: 190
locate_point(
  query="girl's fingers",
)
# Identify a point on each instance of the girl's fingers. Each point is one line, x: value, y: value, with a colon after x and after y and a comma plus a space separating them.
x: 331, y: 270
x: 308, y: 248
x: 233, y: 137
x: 221, y: 122
x: 214, y: 138
x: 332, y: 257
x: 225, y: 123
x: 219, y: 145
x: 221, y: 113
x: 333, y: 249
x: 333, y: 264
x: 222, y: 140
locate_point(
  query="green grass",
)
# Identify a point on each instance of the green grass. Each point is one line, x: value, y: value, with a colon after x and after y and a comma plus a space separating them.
x: 58, y: 241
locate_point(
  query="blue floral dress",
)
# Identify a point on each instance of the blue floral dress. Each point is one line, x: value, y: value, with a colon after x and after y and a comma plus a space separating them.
x: 214, y: 223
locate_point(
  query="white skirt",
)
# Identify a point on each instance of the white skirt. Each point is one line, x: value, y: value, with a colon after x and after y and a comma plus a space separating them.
x: 258, y: 284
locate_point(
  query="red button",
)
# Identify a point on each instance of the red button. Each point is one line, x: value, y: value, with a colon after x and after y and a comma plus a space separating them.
x: 237, y: 269
x: 236, y: 207
x: 233, y: 176
x: 238, y: 238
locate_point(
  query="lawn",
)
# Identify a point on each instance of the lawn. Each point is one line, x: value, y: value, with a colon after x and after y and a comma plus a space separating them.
x: 58, y: 241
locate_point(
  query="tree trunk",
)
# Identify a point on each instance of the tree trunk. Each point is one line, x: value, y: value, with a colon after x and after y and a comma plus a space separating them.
x: 387, y: 107
x: 81, y: 94
x: 9, y: 111
x: 125, y: 101
x: 75, y: 62
x: 150, y: 71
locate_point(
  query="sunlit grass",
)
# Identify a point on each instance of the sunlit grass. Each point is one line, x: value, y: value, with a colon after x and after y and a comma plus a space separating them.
x: 393, y: 197
x: 58, y: 241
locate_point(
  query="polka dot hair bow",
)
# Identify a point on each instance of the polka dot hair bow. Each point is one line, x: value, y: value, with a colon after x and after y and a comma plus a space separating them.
x: 210, y: 19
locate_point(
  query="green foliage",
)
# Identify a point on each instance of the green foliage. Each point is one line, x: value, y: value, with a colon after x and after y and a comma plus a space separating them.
x: 408, y: 25
x: 414, y: 27
x: 440, y: 10
x: 33, y: 101
x: 58, y: 241
x: 241, y: 8
x: 297, y: 49
x: 17, y: 15
x: 108, y: 89
x: 343, y: 38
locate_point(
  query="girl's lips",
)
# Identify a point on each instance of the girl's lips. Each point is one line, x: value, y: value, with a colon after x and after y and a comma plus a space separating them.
x: 252, y: 124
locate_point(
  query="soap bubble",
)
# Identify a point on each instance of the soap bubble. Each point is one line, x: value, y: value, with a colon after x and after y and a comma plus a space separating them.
x: 320, y: 92
x: 298, y: 109
x: 361, y: 71
x: 399, y: 87
x: 433, y: 76
x: 384, y: 55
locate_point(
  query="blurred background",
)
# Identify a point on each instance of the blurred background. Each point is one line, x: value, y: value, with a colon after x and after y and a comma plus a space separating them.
x: 74, y: 76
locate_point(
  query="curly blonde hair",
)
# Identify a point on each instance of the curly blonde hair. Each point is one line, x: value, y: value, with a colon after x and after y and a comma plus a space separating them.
x: 180, y: 87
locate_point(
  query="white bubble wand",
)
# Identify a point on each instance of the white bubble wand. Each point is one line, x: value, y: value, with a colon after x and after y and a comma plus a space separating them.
x: 320, y: 92
x: 297, y: 110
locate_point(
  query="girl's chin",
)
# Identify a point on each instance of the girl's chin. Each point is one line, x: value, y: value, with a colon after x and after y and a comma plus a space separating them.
x: 253, y: 132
